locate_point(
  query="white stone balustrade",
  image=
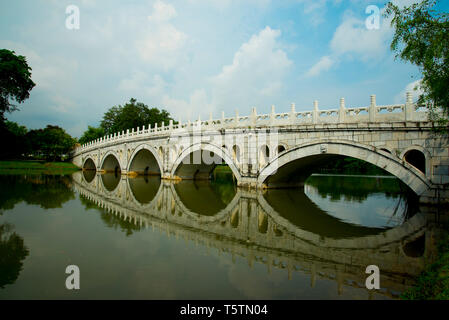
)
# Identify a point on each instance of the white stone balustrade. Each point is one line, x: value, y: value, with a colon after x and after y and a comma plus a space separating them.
x: 373, y: 113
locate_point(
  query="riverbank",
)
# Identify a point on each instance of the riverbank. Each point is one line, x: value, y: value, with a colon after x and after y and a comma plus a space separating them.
x: 36, y: 167
x: 433, y: 283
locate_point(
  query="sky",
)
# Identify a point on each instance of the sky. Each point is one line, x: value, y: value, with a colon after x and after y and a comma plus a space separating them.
x: 200, y: 57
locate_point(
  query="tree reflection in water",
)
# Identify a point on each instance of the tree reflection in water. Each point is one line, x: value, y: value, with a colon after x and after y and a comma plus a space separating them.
x: 47, y: 191
x: 12, y: 254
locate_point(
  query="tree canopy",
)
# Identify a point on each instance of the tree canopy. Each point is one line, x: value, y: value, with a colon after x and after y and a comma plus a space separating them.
x: 91, y: 133
x: 422, y: 38
x: 51, y: 142
x: 132, y: 115
x: 15, y: 80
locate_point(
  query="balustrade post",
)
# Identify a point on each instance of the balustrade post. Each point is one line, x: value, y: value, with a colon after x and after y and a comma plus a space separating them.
x: 253, y: 116
x: 408, y: 106
x: 170, y: 124
x: 272, y: 114
x: 315, y: 112
x: 372, y: 109
x: 222, y: 119
x: 292, y: 114
x: 342, y: 111
x: 236, y: 117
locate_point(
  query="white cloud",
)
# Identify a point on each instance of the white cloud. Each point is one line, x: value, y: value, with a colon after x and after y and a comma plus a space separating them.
x: 324, y: 64
x: 197, y: 105
x: 226, y: 4
x: 161, y: 45
x: 353, y: 38
x: 47, y: 72
x: 257, y: 70
x: 162, y: 12
x: 400, y: 97
x: 315, y: 10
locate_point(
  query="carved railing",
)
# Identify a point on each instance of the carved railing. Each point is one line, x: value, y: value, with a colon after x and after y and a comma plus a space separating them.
x: 373, y: 113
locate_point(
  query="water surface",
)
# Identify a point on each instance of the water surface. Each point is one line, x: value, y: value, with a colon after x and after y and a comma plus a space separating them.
x: 144, y: 238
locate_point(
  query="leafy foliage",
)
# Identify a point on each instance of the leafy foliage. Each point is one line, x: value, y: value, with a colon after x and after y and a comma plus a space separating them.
x: 132, y: 115
x: 15, y: 80
x: 52, y: 142
x: 91, y: 133
x: 422, y: 38
x: 14, y: 139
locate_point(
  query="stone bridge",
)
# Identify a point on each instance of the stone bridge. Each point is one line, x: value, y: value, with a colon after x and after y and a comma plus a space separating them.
x: 249, y: 227
x: 282, y: 149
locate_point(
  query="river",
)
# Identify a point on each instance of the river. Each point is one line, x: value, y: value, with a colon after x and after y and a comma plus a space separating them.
x: 145, y: 238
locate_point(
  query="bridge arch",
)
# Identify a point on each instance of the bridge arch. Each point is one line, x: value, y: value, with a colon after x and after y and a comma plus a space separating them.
x: 110, y: 162
x: 281, y: 147
x: 144, y: 160
x: 202, y: 146
x: 418, y: 157
x: 319, y: 150
x: 89, y: 164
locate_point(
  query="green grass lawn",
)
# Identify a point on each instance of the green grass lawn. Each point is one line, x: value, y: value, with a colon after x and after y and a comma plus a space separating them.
x: 36, y: 167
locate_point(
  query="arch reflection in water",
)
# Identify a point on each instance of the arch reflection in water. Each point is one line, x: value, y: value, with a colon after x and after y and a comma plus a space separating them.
x: 110, y: 180
x: 250, y: 226
x: 89, y: 175
x: 144, y: 189
x: 203, y: 197
x: 378, y: 202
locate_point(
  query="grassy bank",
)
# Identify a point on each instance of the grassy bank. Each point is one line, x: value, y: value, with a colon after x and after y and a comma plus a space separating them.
x: 433, y: 283
x: 36, y: 167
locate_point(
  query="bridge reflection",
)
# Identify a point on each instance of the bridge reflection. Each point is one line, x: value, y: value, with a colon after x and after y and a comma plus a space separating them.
x: 261, y: 227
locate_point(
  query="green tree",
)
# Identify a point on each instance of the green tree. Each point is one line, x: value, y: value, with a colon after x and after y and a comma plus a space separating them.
x: 15, y: 80
x: 14, y: 141
x: 422, y: 38
x: 52, y: 142
x: 91, y: 133
x: 16, y: 129
x: 132, y: 115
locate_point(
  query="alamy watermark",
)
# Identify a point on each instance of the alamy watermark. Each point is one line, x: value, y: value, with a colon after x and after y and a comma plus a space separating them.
x: 72, y: 21
x: 372, y: 22
x: 73, y: 280
x: 372, y: 281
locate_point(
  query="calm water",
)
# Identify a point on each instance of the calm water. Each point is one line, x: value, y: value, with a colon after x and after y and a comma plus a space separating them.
x: 143, y: 238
